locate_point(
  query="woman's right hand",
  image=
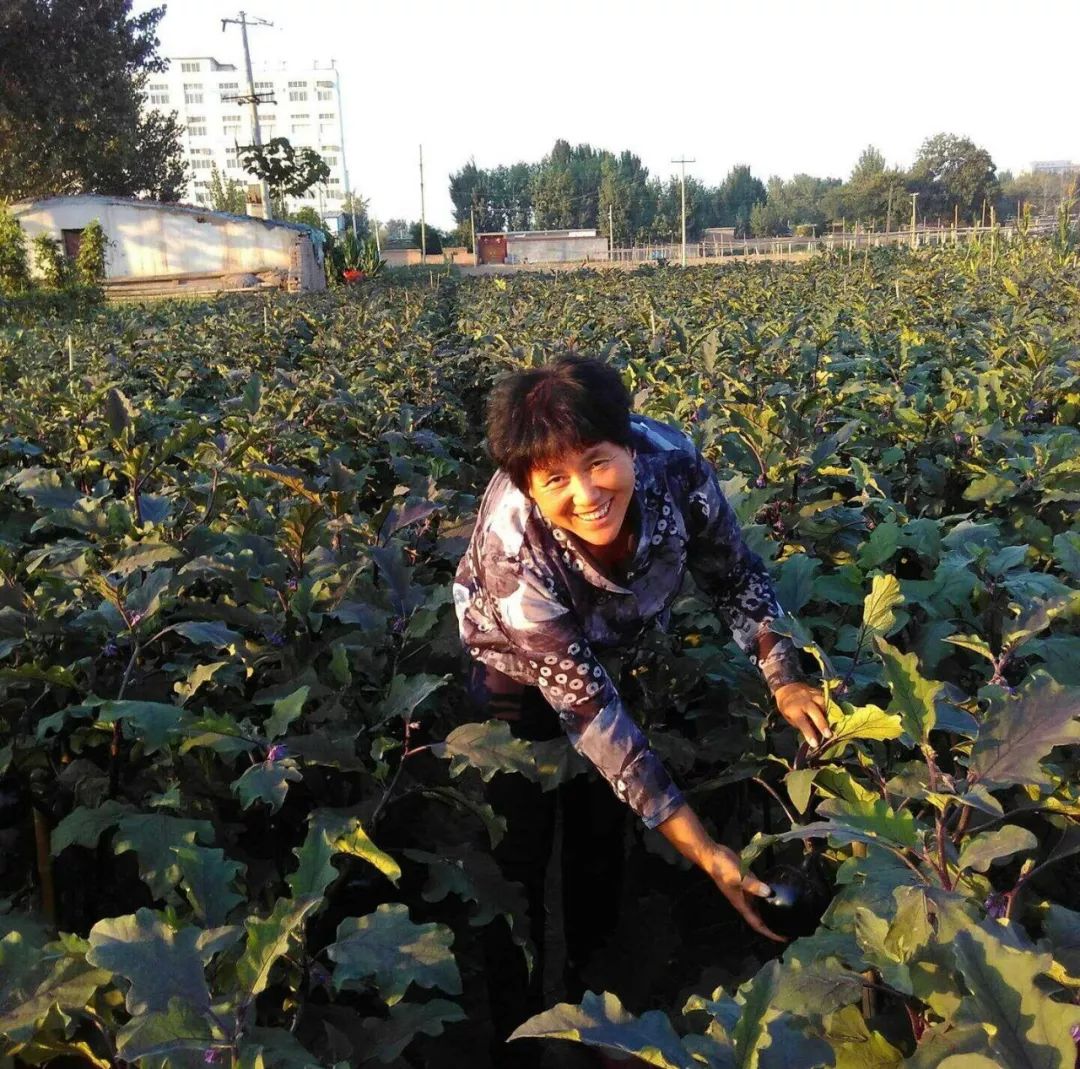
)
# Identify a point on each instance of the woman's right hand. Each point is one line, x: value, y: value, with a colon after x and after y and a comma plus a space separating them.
x: 685, y: 832
x: 740, y: 890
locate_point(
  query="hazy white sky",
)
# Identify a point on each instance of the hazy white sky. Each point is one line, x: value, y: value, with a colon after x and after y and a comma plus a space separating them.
x: 784, y: 85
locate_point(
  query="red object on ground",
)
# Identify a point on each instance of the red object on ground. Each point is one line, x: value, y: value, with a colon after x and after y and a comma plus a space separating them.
x: 352, y: 275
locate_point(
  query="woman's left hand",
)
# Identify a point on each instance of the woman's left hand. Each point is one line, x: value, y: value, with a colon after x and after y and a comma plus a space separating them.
x: 803, y: 707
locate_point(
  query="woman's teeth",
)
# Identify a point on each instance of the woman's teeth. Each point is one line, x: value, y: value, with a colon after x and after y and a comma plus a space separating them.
x: 599, y: 514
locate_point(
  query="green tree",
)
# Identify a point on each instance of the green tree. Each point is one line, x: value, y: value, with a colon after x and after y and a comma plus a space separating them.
x: 288, y: 171
x: 90, y: 261
x: 874, y: 195
x: 434, y: 238
x: 72, y: 84
x: 226, y: 194
x: 951, y: 173
x: 14, y: 262
x: 355, y: 206
x: 736, y: 197
x: 50, y: 264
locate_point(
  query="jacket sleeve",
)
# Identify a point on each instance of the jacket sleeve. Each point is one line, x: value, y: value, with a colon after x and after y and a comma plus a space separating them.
x: 551, y: 653
x: 733, y: 576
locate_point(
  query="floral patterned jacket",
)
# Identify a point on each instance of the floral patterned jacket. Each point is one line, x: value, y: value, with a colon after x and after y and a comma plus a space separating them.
x: 531, y: 605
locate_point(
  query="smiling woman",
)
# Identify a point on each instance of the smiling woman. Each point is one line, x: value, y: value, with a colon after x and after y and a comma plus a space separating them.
x: 582, y: 541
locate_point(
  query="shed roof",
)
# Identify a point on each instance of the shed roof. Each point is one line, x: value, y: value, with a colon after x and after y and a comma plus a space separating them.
x: 173, y: 207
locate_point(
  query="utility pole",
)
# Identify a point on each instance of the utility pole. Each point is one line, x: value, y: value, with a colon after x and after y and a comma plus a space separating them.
x: 914, y: 197
x: 472, y: 227
x: 682, y: 186
x: 610, y: 233
x: 423, y: 223
x: 253, y: 99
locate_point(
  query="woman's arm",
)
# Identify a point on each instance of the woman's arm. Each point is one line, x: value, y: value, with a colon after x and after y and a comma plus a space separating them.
x: 685, y: 832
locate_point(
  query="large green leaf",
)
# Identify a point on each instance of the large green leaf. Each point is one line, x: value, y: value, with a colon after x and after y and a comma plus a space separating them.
x: 982, y: 851
x: 874, y: 817
x: 268, y: 938
x: 1021, y: 729
x: 180, y: 1029
x: 850, y: 723
x: 880, y: 603
x: 387, y: 945
x: 155, y: 838
x: 331, y: 833
x: 407, y: 692
x: 159, y: 962
x: 83, y: 826
x: 913, y: 697
x: 388, y: 1037
x: 284, y: 712
x: 267, y: 782
x: 1025, y: 1028
x: 207, y: 882
x: 1062, y: 929
x: 33, y: 981
x: 855, y: 1046
x: 488, y: 747
x: 154, y: 723
x: 600, y: 1021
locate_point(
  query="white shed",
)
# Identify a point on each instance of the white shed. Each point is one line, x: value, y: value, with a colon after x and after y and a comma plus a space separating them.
x: 157, y: 247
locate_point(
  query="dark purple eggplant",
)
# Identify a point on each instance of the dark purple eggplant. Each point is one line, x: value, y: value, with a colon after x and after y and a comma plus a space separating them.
x: 800, y: 896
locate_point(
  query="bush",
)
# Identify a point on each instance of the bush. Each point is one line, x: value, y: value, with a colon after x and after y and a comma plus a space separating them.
x: 14, y: 265
x: 90, y: 263
x: 31, y: 308
x: 53, y: 267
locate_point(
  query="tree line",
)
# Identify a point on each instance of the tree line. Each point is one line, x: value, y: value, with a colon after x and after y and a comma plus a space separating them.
x: 581, y: 186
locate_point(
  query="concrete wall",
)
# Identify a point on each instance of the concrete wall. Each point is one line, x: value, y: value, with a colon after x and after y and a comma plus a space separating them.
x: 409, y: 257
x: 153, y: 240
x: 541, y: 250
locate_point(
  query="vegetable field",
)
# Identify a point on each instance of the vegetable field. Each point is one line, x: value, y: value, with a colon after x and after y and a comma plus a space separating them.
x: 242, y: 817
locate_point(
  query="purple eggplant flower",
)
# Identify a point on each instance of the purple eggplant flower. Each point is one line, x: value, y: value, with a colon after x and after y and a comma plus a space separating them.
x: 276, y: 639
x: 760, y: 482
x: 211, y: 1056
x: 276, y: 752
x: 1074, y: 1031
x: 292, y: 584
x: 111, y: 649
x: 136, y: 619
x: 997, y: 904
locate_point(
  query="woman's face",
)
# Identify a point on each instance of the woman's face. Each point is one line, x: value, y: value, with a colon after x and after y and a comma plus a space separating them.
x: 586, y: 492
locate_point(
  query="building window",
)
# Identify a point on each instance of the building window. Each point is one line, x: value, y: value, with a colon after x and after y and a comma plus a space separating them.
x: 159, y: 98
x: 193, y: 93
x: 325, y: 90
x: 301, y: 130
x: 264, y: 87
x: 190, y: 66
x: 331, y: 161
x: 331, y: 148
x: 201, y: 164
x: 229, y: 92
x: 297, y: 92
x: 196, y: 126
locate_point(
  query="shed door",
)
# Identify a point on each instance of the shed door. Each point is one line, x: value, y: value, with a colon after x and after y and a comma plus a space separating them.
x: 492, y: 249
x: 72, y: 241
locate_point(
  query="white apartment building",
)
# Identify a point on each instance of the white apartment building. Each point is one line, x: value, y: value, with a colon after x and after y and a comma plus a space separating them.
x: 306, y: 109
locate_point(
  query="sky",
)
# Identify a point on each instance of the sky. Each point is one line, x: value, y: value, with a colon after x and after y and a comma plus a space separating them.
x: 786, y: 86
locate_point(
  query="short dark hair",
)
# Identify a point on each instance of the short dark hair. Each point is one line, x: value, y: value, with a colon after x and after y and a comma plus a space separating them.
x: 537, y: 415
